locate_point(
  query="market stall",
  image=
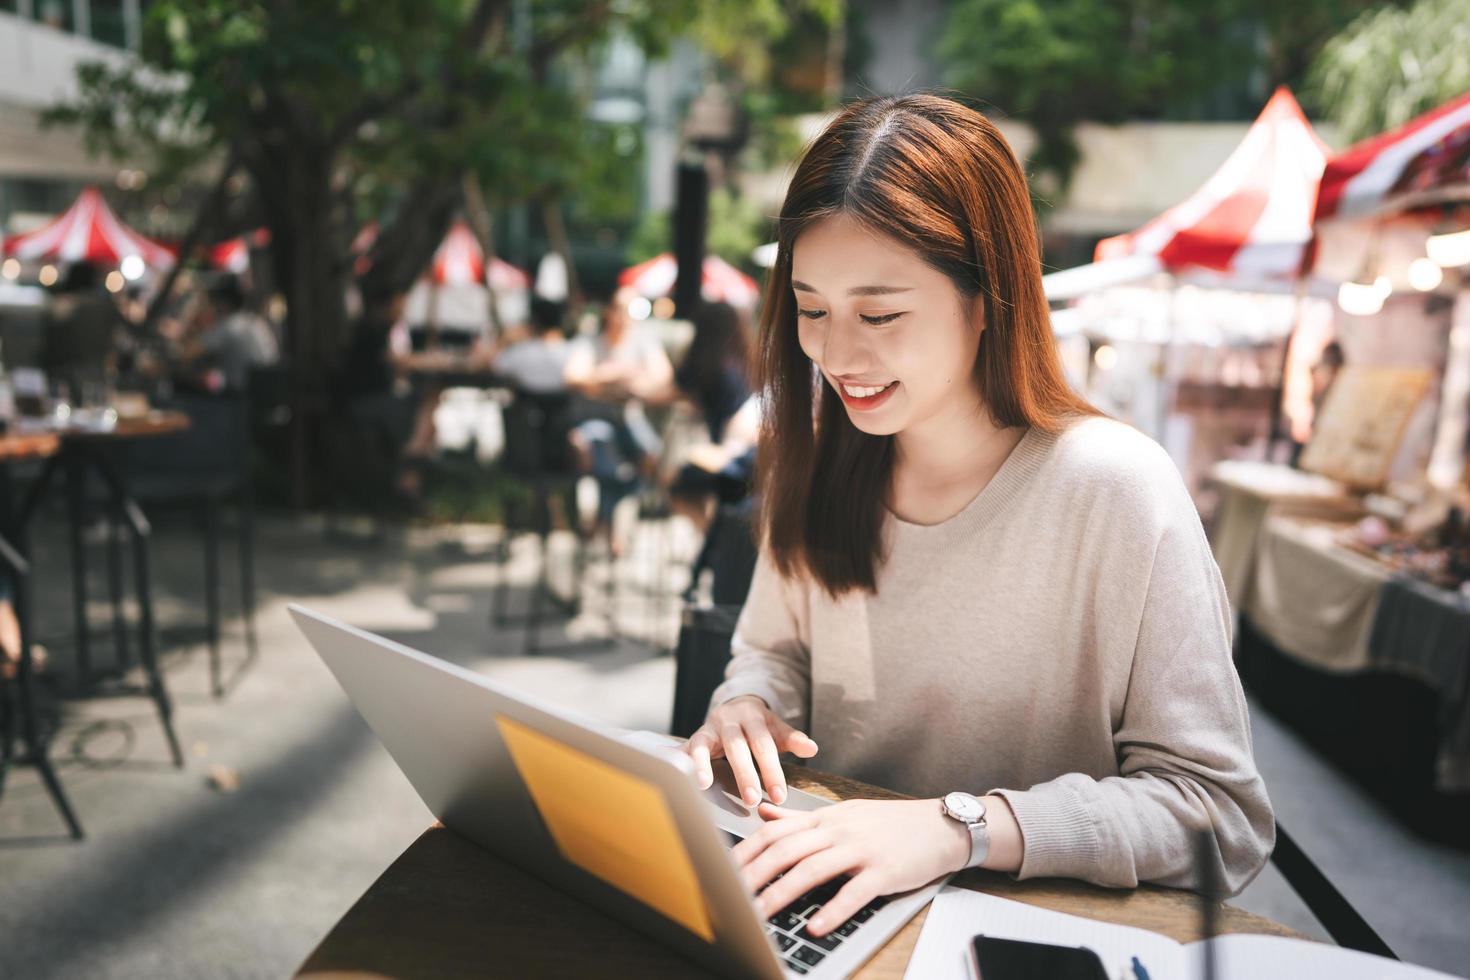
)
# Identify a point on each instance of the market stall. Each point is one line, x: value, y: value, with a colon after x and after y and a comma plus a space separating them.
x: 1355, y: 628
x: 1187, y: 316
x: 456, y: 292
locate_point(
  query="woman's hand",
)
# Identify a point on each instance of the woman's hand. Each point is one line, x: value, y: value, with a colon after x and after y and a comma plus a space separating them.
x: 886, y: 846
x: 745, y: 731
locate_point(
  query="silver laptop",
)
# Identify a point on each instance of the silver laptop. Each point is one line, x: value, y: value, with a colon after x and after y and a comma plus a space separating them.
x: 448, y: 730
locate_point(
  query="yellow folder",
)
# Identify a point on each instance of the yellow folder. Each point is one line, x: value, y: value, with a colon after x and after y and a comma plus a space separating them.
x: 610, y: 824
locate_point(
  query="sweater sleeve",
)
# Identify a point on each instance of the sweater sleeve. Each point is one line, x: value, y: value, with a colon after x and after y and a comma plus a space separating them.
x: 1183, y: 745
x: 771, y: 649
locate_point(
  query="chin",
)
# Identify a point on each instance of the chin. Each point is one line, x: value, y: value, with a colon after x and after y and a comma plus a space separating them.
x: 866, y: 422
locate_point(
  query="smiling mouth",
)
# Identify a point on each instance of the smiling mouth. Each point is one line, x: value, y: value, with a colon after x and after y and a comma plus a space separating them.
x: 864, y: 398
x: 866, y: 391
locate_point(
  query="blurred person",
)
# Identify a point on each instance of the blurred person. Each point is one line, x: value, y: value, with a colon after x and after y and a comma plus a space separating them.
x: 715, y: 375
x: 229, y: 339
x: 972, y: 587
x: 715, y: 371
x: 613, y: 371
x: 81, y: 329
x: 537, y: 363
x: 1324, y: 374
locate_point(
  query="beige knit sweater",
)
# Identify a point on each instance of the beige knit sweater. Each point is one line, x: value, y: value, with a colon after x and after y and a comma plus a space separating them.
x: 1063, y: 641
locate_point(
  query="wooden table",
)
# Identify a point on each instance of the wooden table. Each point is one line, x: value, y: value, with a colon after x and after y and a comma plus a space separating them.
x: 448, y: 908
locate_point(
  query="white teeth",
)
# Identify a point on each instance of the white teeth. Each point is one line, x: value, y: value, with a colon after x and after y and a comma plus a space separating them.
x: 855, y: 392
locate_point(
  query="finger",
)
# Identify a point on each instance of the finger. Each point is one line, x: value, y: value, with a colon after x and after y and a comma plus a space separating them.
x: 769, y: 760
x: 747, y: 850
x: 732, y: 736
x: 806, y: 875
x: 698, y: 747
x: 799, y: 744
x: 782, y: 855
x: 850, y: 898
x: 770, y: 811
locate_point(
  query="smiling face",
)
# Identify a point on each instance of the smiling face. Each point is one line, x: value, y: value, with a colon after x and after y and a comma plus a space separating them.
x: 890, y: 333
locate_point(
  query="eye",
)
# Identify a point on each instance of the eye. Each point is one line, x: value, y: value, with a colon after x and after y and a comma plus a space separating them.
x: 878, y: 321
x: 811, y: 314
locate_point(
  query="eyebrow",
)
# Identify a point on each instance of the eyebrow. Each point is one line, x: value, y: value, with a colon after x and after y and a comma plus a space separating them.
x: 856, y: 290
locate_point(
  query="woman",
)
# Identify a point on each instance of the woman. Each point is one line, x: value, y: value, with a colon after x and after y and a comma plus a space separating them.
x: 969, y: 580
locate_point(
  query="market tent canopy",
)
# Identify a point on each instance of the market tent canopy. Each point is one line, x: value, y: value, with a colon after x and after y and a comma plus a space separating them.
x: 234, y: 255
x: 721, y: 282
x: 460, y: 261
x: 88, y: 231
x: 1254, y: 216
x: 1424, y: 161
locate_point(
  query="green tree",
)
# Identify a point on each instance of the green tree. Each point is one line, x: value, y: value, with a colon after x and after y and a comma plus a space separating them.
x: 1393, y: 64
x: 343, y: 109
x: 1056, y: 63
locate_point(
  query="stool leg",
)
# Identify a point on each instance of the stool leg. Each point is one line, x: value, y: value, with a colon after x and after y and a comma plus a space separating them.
x: 7, y: 730
x: 211, y: 593
x: 115, y: 590
x: 247, y: 569
x: 139, y: 528
x: 502, y: 557
x: 76, y: 479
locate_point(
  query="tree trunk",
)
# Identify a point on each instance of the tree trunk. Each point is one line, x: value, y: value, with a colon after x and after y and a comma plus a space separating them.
x: 295, y: 185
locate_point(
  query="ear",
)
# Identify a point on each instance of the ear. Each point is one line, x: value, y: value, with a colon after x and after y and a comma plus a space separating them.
x: 975, y: 310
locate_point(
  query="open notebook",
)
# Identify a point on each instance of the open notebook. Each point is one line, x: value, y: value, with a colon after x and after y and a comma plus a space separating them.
x: 958, y: 914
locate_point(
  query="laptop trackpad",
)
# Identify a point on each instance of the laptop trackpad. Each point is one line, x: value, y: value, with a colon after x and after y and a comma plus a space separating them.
x: 734, y: 816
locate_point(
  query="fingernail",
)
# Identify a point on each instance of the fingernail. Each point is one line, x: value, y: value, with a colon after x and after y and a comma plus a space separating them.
x: 750, y: 797
x: 778, y: 795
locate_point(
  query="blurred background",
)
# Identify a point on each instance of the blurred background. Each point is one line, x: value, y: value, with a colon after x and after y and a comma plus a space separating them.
x: 436, y: 316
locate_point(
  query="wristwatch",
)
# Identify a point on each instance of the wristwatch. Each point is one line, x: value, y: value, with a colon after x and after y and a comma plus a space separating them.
x: 969, y: 811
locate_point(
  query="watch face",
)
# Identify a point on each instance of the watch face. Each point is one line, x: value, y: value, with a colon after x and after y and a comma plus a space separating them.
x: 964, y: 806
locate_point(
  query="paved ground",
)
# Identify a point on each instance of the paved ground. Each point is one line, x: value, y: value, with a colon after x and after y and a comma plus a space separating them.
x: 178, y: 879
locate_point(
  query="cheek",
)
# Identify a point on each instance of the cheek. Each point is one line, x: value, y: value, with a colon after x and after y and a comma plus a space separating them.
x: 809, y: 335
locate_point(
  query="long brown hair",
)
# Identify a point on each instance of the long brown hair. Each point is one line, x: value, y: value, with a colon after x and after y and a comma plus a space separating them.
x: 937, y: 176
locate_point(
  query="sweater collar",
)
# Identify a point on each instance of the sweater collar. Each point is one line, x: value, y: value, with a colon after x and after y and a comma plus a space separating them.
x: 1012, y: 476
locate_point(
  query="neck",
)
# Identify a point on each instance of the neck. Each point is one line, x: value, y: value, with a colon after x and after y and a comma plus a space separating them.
x: 952, y: 446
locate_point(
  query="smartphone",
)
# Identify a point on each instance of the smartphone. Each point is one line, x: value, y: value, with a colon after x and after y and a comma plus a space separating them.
x: 1013, y: 959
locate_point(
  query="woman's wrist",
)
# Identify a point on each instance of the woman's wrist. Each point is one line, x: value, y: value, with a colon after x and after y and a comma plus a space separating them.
x: 1007, y: 845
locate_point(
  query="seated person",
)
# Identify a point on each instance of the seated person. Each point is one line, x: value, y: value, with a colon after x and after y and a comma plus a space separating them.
x: 80, y: 330
x: 228, y: 338
x: 613, y: 372
x: 537, y: 364
x: 972, y: 588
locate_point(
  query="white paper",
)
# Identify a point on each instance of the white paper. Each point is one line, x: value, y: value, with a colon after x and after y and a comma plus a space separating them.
x: 958, y: 914
x: 1272, y: 957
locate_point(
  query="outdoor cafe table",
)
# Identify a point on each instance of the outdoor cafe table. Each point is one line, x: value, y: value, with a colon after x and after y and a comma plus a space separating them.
x: 85, y: 450
x: 448, y: 908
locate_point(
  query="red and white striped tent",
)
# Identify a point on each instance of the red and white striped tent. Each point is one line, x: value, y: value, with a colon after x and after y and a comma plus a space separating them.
x: 720, y: 283
x: 233, y: 256
x: 1253, y: 218
x: 460, y: 261
x: 88, y: 231
x: 1425, y: 161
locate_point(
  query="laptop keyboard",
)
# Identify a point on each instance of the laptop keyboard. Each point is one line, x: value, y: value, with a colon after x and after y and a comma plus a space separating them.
x: 799, y: 950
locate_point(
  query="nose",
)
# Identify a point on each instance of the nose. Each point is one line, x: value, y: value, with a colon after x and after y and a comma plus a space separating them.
x: 844, y: 350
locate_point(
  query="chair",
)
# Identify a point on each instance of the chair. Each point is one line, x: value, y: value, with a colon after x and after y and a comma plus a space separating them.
x: 1343, y: 922
x: 204, y: 468
x: 706, y: 629
x: 537, y: 456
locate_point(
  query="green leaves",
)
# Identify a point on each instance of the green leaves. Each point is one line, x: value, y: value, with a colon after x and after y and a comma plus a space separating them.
x: 1393, y: 64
